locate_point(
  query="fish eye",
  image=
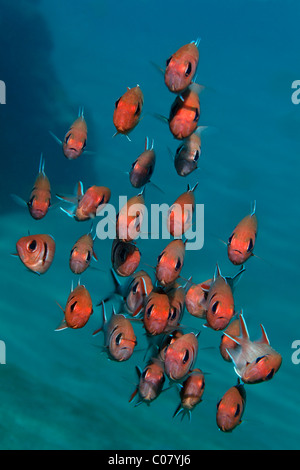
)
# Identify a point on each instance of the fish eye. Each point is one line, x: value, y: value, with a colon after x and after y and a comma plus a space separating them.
x: 188, y: 70
x: 230, y: 239
x: 168, y: 61
x: 138, y: 110
x: 67, y: 138
x: 29, y: 203
x: 134, y: 288
x: 250, y: 246
x: 88, y: 256
x: 270, y: 375
x: 186, y: 356
x: 215, y: 306
x: 237, y: 411
x: 178, y: 264
x: 122, y: 256
x: 196, y: 156
x: 196, y: 115
x: 72, y: 306
x: 32, y: 245
x: 148, y: 313
x: 117, y: 102
x: 172, y: 313
x: 259, y: 359
x: 118, y: 339
x: 179, y: 149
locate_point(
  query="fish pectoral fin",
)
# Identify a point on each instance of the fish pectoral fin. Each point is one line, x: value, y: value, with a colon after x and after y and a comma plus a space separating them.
x: 68, y: 198
x: 69, y: 213
x: 21, y: 202
x: 55, y: 138
x: 63, y: 325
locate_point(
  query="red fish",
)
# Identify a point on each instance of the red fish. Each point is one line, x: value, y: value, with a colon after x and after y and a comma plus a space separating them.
x: 157, y: 311
x: 170, y: 262
x: 191, y: 393
x: 119, y: 337
x: 125, y: 257
x: 181, y: 67
x: 195, y: 299
x: 143, y: 167
x: 151, y: 381
x: 176, y: 297
x: 233, y: 329
x: 88, y: 204
x: 241, y: 242
x: 188, y: 153
x: 128, y: 110
x: 220, y: 302
x: 81, y: 254
x: 40, y: 197
x: 134, y: 291
x: 185, y: 112
x: 231, y: 408
x: 130, y: 218
x: 180, y: 356
x: 75, y: 139
x: 140, y: 286
x: 180, y: 213
x: 254, y: 361
x: 168, y: 339
x: 36, y: 252
x: 79, y: 308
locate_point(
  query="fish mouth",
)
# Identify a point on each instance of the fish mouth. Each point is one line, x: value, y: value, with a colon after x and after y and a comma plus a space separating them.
x: 37, y: 214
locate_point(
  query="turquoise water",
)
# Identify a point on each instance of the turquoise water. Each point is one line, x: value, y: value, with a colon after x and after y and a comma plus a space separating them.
x: 58, y: 391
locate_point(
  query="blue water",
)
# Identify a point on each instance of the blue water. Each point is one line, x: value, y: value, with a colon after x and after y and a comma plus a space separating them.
x: 57, y: 390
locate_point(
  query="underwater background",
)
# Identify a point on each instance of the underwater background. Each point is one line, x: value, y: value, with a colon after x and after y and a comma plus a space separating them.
x: 58, y: 391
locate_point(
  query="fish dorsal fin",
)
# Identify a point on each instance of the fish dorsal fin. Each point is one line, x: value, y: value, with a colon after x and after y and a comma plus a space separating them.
x: 196, y: 42
x: 42, y: 165
x: 264, y: 339
x: 244, y: 330
x: 80, y: 112
x: 217, y: 272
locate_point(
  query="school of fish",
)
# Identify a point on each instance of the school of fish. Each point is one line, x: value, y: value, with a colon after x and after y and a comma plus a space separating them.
x: 158, y: 301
